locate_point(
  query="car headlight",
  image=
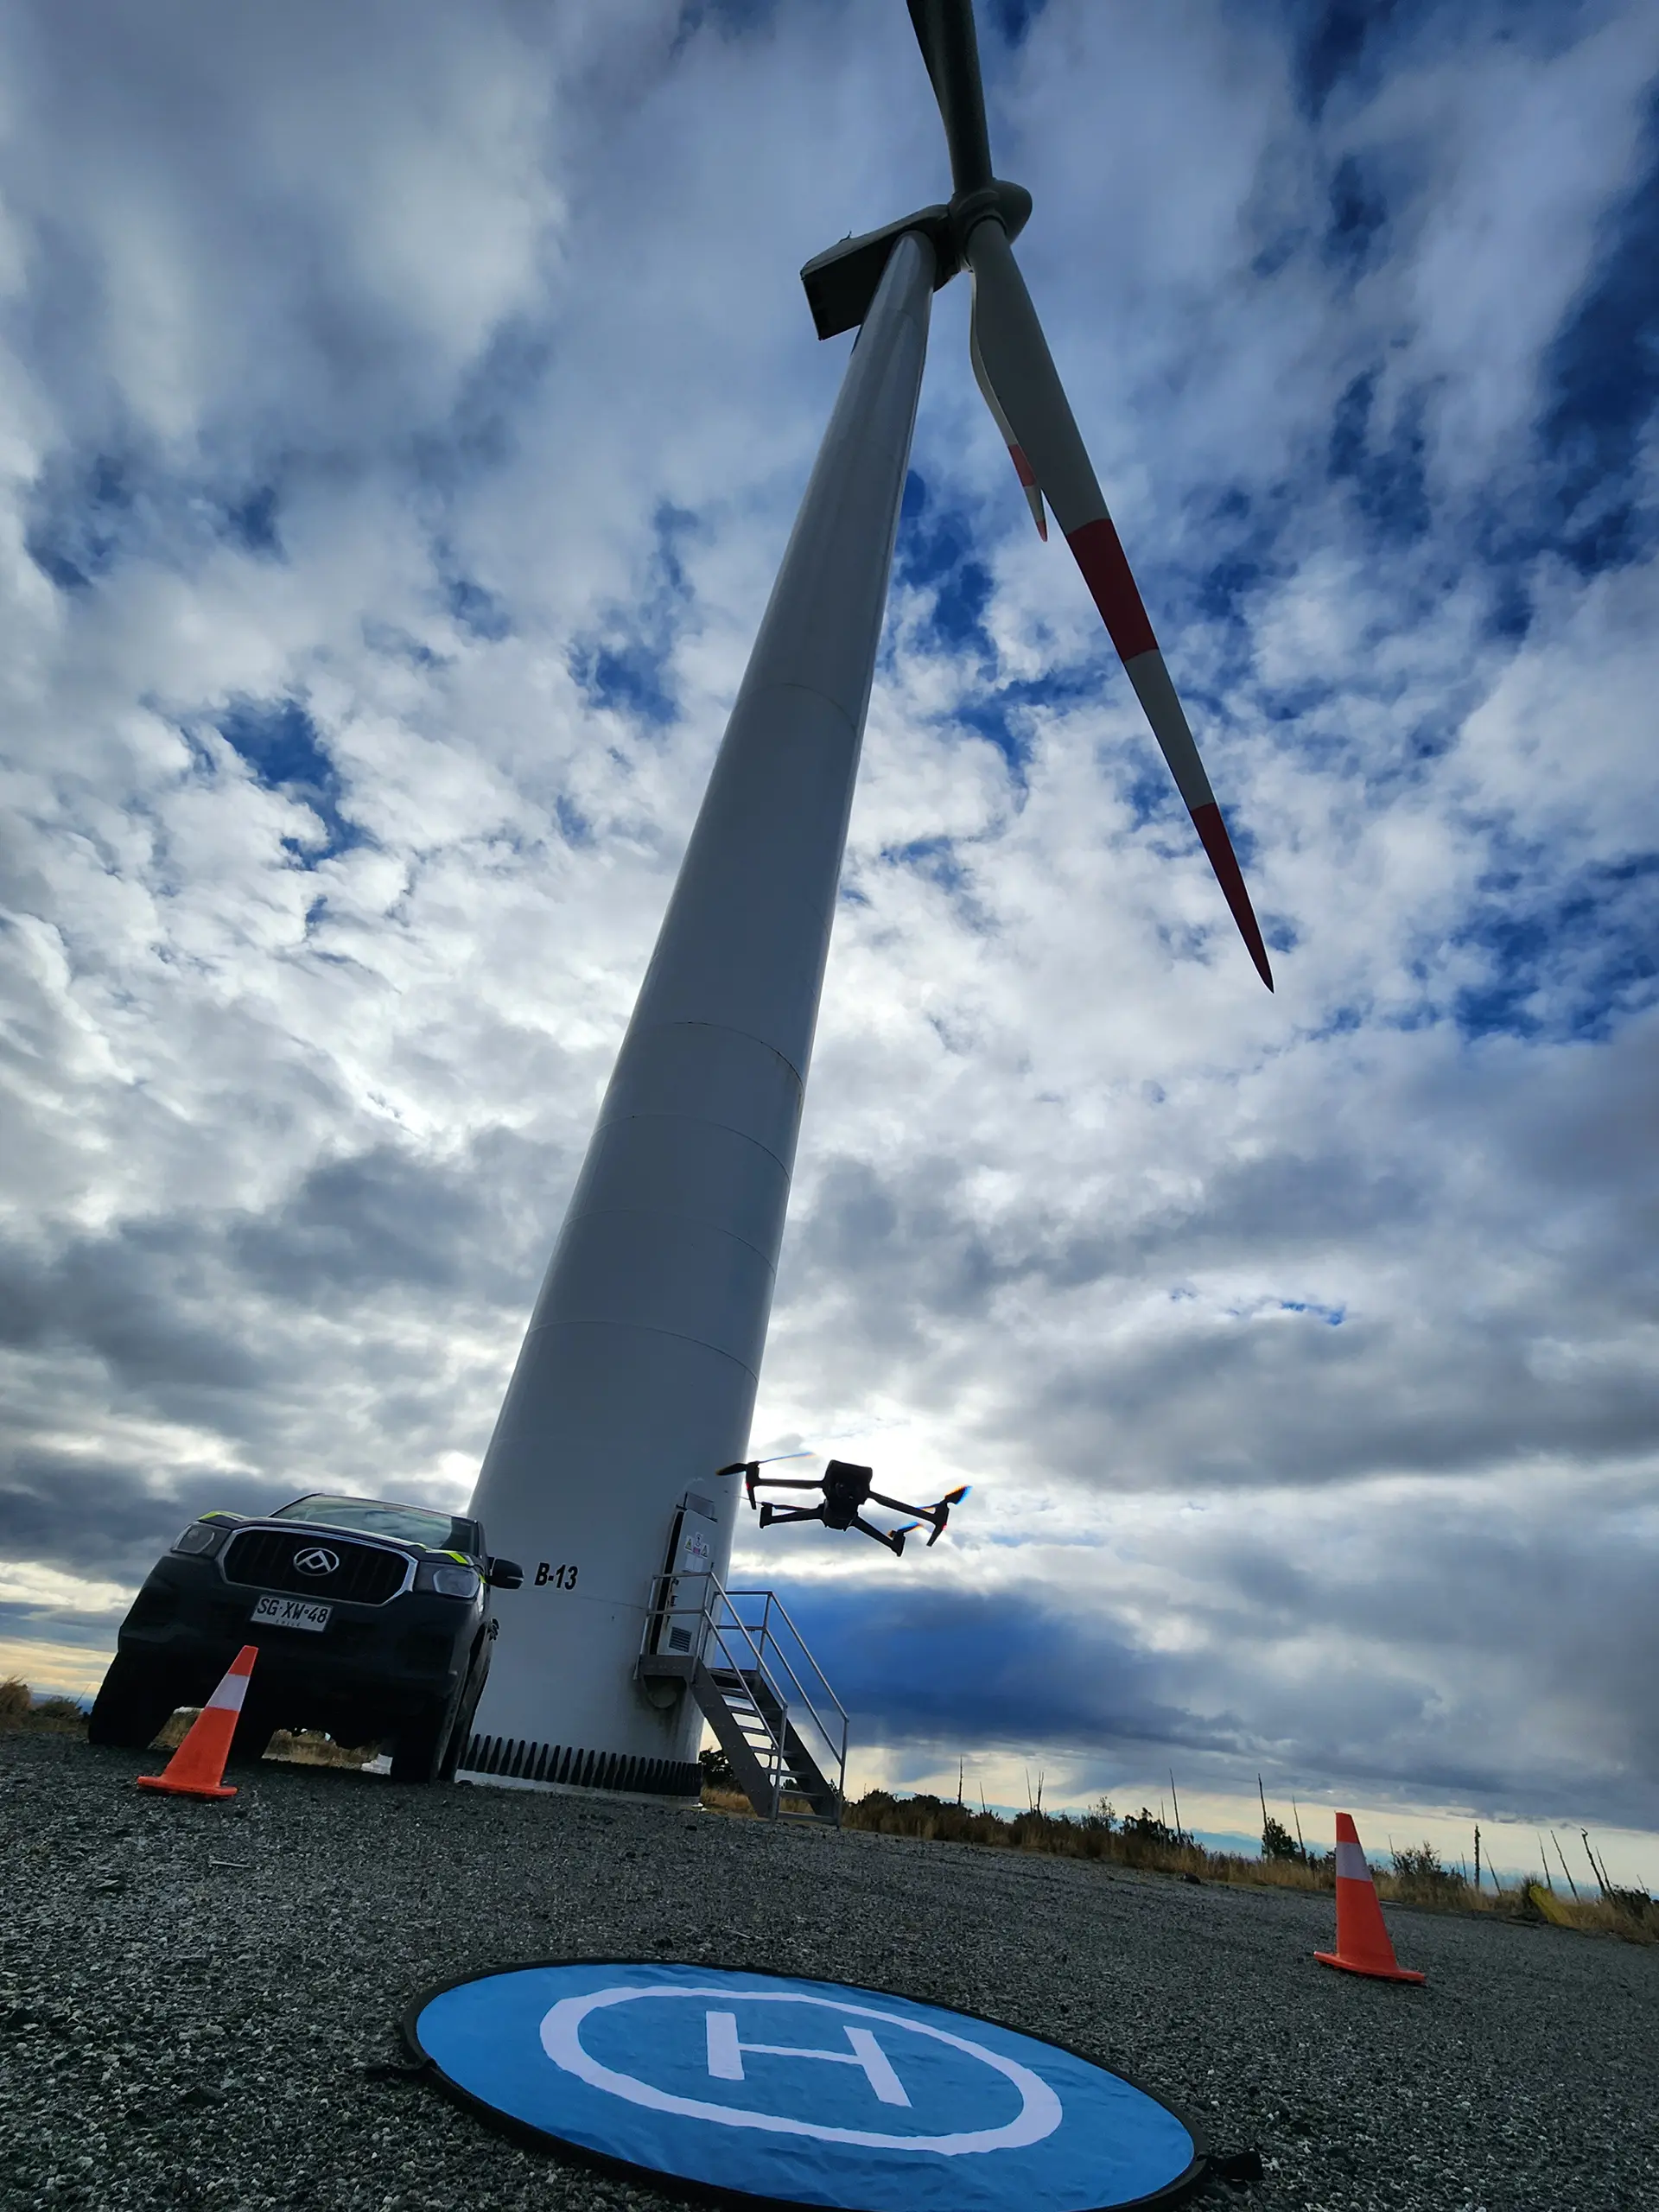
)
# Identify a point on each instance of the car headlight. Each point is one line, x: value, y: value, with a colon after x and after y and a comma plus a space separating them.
x: 448, y: 1581
x: 199, y: 1539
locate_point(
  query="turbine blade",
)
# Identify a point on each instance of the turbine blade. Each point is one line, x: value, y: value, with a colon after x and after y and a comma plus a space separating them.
x: 944, y: 31
x: 1019, y: 367
x: 1021, y: 466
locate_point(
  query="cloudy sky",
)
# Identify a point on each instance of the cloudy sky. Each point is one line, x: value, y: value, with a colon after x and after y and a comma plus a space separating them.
x: 402, y: 411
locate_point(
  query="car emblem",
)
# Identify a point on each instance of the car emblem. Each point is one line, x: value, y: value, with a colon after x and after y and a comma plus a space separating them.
x: 317, y: 1561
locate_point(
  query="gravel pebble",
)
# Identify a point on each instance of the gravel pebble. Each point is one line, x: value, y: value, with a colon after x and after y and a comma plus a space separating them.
x: 198, y: 2002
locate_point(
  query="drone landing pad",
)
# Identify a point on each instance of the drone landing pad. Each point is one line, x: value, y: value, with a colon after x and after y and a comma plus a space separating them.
x: 761, y: 2088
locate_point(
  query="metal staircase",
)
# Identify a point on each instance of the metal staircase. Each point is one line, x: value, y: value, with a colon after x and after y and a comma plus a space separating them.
x: 781, y: 1726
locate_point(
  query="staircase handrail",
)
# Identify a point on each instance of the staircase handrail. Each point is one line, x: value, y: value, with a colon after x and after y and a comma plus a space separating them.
x: 834, y: 1740
x: 775, y: 1604
x: 777, y: 1749
x: 708, y: 1614
x: 718, y: 1616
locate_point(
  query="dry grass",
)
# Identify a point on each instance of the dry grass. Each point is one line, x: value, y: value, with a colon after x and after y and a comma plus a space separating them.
x: 19, y: 1708
x: 1143, y: 1842
x: 299, y: 1746
x: 308, y: 1747
x: 734, y: 1802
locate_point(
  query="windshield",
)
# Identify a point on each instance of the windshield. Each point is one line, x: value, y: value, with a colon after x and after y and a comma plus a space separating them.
x: 404, y: 1524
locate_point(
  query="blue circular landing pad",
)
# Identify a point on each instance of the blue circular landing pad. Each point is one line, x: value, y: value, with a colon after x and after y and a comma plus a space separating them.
x: 749, y: 2087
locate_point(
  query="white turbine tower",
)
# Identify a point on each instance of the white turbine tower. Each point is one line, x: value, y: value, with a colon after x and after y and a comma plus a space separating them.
x: 638, y: 1375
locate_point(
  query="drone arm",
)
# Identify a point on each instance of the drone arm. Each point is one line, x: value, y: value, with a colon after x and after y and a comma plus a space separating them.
x: 892, y: 1538
x: 895, y: 1504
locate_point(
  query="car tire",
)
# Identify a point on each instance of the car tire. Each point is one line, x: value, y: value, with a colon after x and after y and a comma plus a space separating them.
x: 255, y: 1727
x: 459, y: 1734
x: 418, y: 1747
x: 132, y: 1706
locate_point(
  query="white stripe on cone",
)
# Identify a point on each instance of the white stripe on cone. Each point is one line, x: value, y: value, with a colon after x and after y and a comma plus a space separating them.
x: 228, y: 1697
x: 1352, y: 1864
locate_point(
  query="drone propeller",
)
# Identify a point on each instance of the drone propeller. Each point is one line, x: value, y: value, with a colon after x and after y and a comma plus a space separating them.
x: 941, y: 1512
x: 750, y: 1470
x: 1017, y: 375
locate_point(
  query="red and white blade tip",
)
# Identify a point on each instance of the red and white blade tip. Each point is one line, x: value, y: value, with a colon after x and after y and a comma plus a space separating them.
x: 1099, y: 554
x: 1033, y: 497
x: 1213, y: 835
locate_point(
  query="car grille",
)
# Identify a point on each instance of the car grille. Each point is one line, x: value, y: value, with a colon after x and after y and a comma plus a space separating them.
x: 366, y: 1575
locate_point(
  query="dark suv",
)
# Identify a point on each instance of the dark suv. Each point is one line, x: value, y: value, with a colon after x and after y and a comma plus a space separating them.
x: 372, y: 1622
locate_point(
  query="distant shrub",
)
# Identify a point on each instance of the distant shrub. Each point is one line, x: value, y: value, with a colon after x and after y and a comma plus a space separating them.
x: 20, y: 1708
x: 1277, y: 1841
x: 1419, y: 1878
x: 1144, y: 1841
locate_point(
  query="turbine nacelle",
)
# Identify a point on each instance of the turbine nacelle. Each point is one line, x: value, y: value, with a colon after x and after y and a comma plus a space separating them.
x: 840, y: 281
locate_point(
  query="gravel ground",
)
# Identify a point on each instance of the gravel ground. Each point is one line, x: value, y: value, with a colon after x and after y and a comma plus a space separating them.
x: 198, y: 2002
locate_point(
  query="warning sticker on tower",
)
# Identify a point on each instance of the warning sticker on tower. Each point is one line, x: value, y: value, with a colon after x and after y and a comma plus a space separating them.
x: 800, y: 2092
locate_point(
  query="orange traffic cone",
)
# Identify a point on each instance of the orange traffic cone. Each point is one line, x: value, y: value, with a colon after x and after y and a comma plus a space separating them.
x: 1363, y: 1945
x: 196, y: 1768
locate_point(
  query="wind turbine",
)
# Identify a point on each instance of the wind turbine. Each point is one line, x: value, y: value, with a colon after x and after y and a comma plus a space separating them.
x: 638, y: 1375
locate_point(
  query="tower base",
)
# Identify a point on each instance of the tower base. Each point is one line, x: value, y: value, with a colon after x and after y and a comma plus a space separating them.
x: 508, y: 1760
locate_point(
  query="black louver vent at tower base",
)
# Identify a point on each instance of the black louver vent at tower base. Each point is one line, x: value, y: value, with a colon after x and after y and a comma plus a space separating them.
x: 364, y: 1575
x: 517, y: 1759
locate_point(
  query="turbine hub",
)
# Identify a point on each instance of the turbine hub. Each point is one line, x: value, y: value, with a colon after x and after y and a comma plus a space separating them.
x: 1009, y: 203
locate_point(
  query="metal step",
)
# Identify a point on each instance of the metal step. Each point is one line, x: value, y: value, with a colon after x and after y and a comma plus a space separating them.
x: 761, y: 1690
x: 764, y: 1751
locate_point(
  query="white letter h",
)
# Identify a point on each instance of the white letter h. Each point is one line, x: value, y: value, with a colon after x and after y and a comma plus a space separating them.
x: 726, y: 2056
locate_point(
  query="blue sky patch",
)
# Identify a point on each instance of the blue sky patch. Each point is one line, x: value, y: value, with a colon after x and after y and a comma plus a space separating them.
x: 477, y: 609
x: 1573, y: 965
x: 284, y: 748
x: 1012, y: 19
x: 935, y: 552
x: 1601, y: 378
x: 627, y: 667
x: 1359, y: 214
x: 86, y: 514
x: 77, y: 527
x: 1332, y: 43
x: 1381, y: 462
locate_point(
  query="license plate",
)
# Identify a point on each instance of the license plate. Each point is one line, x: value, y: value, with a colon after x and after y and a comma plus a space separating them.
x: 291, y: 1612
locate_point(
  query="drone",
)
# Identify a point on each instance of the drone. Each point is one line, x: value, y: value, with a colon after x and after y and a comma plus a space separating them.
x: 845, y: 1487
